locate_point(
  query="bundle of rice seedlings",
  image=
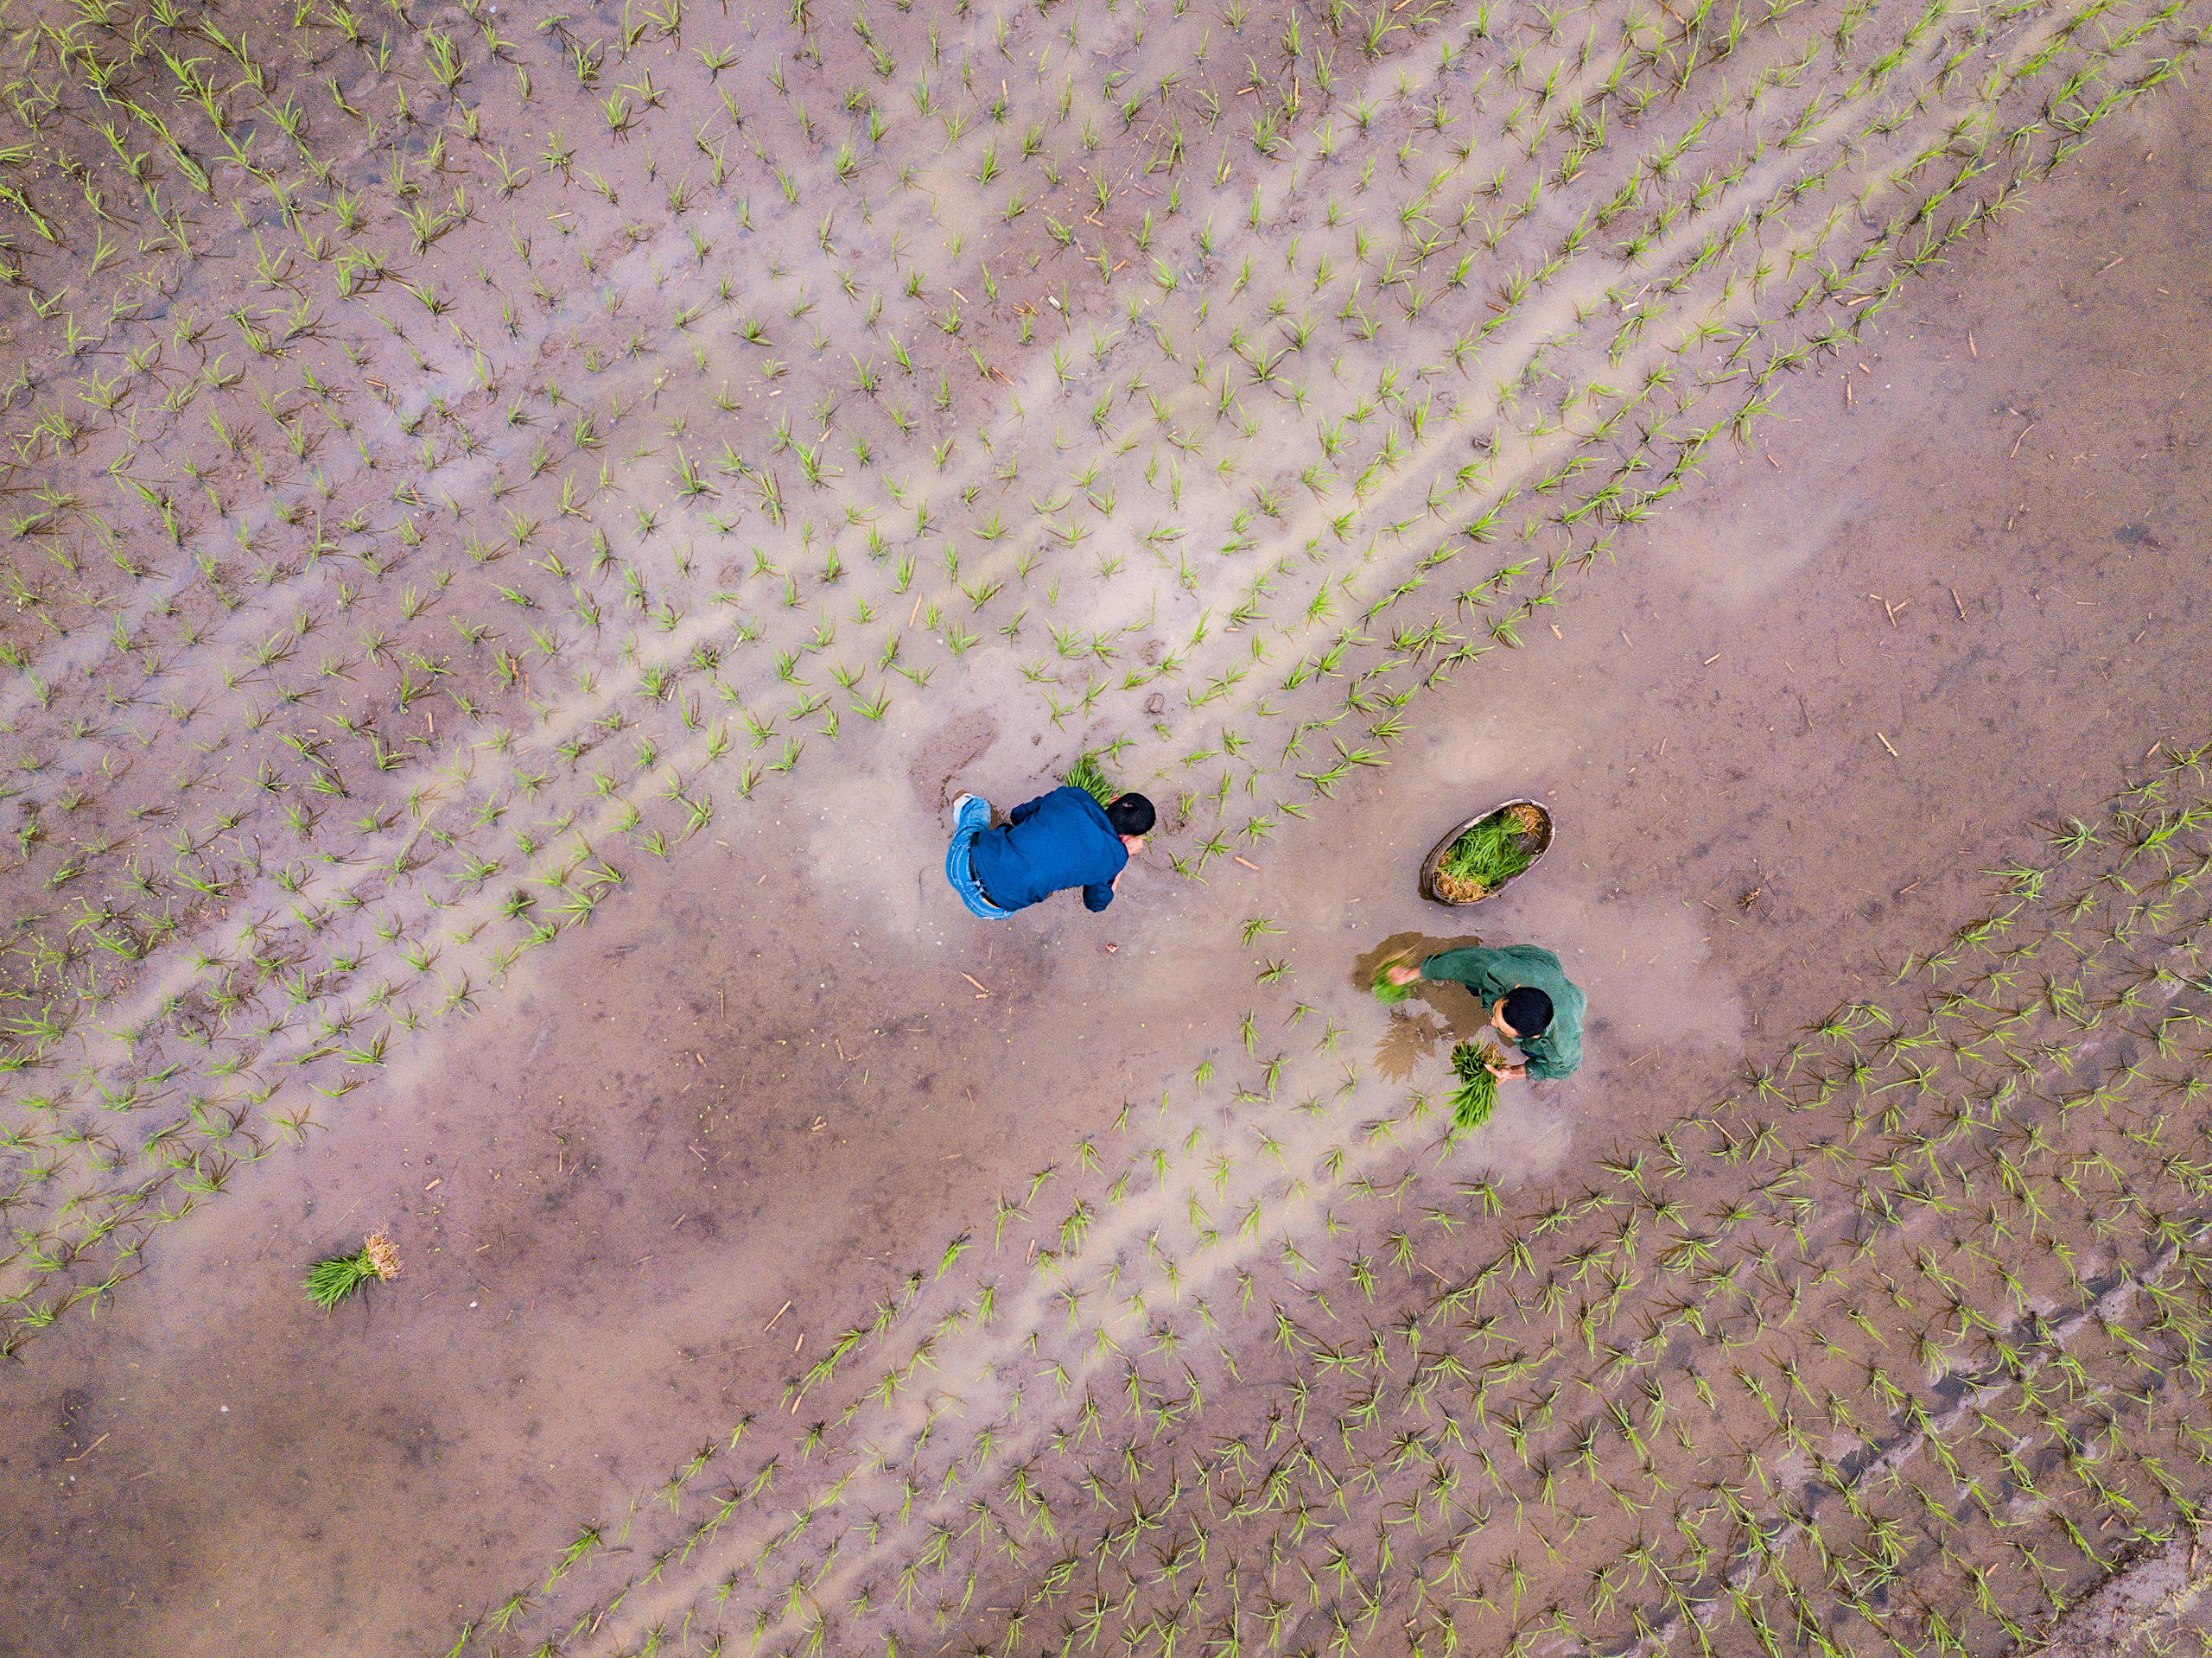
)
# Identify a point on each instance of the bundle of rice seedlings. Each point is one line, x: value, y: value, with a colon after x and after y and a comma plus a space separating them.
x: 1090, y: 775
x: 1388, y: 994
x: 331, y: 1281
x: 1488, y: 855
x: 1476, y: 1096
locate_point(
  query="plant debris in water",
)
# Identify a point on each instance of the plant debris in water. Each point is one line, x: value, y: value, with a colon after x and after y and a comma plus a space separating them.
x: 331, y: 1281
x: 1489, y: 853
x: 1476, y: 1096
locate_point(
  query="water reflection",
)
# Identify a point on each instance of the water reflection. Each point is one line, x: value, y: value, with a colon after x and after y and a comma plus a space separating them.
x: 1438, y: 1014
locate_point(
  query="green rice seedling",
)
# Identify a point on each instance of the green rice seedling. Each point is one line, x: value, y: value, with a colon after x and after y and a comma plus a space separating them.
x: 1388, y: 994
x: 1487, y: 856
x: 1090, y: 775
x: 1475, y: 1097
x: 330, y: 1281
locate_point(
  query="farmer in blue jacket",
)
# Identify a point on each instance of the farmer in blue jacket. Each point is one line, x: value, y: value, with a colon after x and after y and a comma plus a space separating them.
x: 1062, y: 839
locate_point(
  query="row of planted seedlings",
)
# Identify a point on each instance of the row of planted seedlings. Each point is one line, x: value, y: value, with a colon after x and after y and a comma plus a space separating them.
x: 1503, y: 1259
x: 857, y: 1335
x: 415, y: 600
x: 692, y: 806
x: 181, y: 133
x: 1465, y: 476
x: 806, y: 1588
x: 568, y: 483
x: 1669, y: 1153
x: 233, y: 823
x: 588, y: 53
x: 571, y: 481
x: 1626, y: 1344
x: 1394, y: 385
x: 952, y: 1386
x: 1619, y: 496
x: 325, y: 776
x: 1808, y: 1372
x: 197, y: 368
x: 354, y: 215
x: 426, y: 600
x: 1239, y: 616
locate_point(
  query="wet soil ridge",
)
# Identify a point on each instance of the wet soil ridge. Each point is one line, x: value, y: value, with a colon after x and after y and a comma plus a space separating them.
x: 1907, y: 1333
x: 2144, y: 1609
x: 799, y: 365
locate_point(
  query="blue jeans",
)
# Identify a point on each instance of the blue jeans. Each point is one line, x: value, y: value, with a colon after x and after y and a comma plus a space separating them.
x: 960, y: 865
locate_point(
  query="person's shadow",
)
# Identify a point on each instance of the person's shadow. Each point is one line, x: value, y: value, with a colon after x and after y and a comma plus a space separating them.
x: 1428, y: 1023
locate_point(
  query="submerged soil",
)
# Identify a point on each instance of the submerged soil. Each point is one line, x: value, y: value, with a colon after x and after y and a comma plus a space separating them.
x: 1857, y: 667
x: 1948, y: 595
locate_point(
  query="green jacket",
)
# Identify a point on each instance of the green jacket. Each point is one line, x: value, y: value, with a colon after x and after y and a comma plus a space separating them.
x: 1557, y: 1050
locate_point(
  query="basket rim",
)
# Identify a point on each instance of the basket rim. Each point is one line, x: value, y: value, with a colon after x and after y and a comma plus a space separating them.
x: 1548, y: 834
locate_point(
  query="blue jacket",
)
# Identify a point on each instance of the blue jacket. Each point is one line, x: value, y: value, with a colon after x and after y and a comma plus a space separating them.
x: 1058, y: 840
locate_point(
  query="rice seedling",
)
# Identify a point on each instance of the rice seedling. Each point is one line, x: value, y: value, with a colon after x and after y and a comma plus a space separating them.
x: 664, y: 587
x: 332, y: 1280
x: 1388, y: 994
x: 1488, y: 855
x: 1088, y: 773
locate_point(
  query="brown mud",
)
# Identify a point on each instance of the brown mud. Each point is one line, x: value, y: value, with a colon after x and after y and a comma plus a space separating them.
x: 766, y: 1081
x: 1786, y: 726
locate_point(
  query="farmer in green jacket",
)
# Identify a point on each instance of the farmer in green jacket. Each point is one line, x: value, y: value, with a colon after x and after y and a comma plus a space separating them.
x: 1530, y: 1003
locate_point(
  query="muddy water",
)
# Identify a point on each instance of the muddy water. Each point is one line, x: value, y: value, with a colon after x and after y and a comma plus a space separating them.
x: 764, y: 1077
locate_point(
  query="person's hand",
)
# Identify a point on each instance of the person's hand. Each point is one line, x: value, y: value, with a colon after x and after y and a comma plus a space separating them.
x: 1403, y: 974
x: 1507, y: 1073
x: 1115, y: 885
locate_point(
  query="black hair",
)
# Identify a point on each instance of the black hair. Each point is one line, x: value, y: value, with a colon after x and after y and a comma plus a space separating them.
x: 1528, y: 1010
x: 1133, y: 814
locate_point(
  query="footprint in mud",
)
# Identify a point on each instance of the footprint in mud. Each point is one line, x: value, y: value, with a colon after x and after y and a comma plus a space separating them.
x: 947, y: 752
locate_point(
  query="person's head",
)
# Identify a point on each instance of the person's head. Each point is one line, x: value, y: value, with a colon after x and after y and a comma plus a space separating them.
x: 1522, y: 1012
x: 1132, y: 817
